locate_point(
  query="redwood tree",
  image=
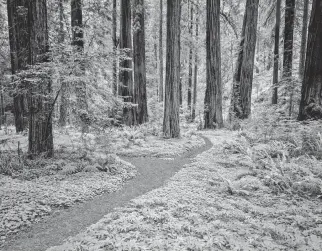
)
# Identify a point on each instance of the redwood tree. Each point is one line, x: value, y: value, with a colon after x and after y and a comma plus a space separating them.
x: 78, y: 44
x: 311, y: 100
x: 19, y: 52
x: 140, y: 95
x: 125, y: 71
x: 171, y: 127
x: 243, y: 78
x: 213, y: 97
x: 276, y: 51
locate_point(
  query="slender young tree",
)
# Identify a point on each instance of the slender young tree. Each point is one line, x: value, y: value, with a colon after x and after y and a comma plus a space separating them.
x: 20, y: 58
x: 288, y: 38
x: 161, y: 53
x: 243, y: 79
x: 140, y: 95
x: 304, y: 38
x: 195, y: 79
x: 189, y: 99
x: 276, y: 51
x: 78, y: 44
x: 115, y: 44
x: 311, y: 100
x: 213, y: 97
x: 64, y: 97
x: 171, y: 127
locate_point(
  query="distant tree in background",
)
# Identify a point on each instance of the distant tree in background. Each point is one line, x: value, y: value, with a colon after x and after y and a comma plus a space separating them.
x: 140, y: 94
x: 171, y: 127
x: 78, y: 44
x: 304, y: 38
x: 311, y: 100
x: 276, y: 51
x: 213, y: 96
x: 161, y: 93
x: 195, y: 78
x: 115, y: 44
x: 64, y: 92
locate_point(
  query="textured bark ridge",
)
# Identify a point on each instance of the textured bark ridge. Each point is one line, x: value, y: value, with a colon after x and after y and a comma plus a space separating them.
x: 171, y: 126
x: 161, y: 93
x: 213, y: 98
x: 140, y: 95
x: 311, y: 100
x: 243, y: 79
x: 39, y: 93
x: 125, y: 76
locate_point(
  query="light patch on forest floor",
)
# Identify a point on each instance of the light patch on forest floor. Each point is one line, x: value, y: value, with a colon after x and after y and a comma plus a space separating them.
x: 214, y: 203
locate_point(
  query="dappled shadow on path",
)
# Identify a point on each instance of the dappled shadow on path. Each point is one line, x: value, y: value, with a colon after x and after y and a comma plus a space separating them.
x: 52, y: 231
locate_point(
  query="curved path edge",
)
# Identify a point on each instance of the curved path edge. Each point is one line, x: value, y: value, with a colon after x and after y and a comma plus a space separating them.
x: 53, y: 230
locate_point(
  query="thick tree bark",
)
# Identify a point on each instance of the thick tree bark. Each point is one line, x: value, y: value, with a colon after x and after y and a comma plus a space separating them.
x: 304, y: 38
x: 246, y: 80
x: 311, y: 100
x: 171, y: 127
x: 161, y: 94
x: 78, y: 44
x: 242, y: 85
x: 213, y: 97
x: 276, y: 51
x: 195, y: 79
x: 189, y: 99
x: 19, y: 52
x: 115, y: 44
x: 140, y: 94
x: 39, y: 94
x: 125, y: 77
x: 288, y: 38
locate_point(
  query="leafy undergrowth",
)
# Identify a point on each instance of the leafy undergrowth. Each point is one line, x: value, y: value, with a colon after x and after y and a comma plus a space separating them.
x: 218, y: 202
x: 27, y: 198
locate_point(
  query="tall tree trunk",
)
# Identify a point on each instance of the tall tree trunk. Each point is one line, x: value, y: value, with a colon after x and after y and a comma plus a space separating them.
x: 161, y: 53
x: 125, y: 77
x: 311, y: 100
x: 246, y: 80
x: 240, y: 106
x: 19, y: 52
x: 213, y: 97
x: 276, y: 51
x: 64, y: 96
x: 115, y: 44
x: 140, y: 95
x: 288, y: 38
x: 304, y: 38
x: 171, y: 127
x: 40, y: 93
x: 189, y: 99
x: 78, y: 44
x: 195, y: 79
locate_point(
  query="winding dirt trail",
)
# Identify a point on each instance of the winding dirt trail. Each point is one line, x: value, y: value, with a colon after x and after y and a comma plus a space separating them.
x: 52, y: 231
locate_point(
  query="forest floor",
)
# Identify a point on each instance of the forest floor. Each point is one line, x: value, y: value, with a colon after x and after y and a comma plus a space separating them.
x: 221, y: 201
x: 84, y: 167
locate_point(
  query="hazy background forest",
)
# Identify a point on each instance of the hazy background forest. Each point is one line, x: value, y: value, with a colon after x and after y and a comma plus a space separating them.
x: 160, y: 125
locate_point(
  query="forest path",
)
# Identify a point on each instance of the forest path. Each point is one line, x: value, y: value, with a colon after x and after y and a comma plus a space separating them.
x: 52, y: 231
